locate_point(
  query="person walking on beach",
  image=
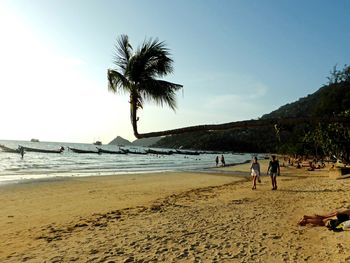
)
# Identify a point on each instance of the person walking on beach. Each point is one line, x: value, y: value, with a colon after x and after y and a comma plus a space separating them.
x: 222, y: 160
x: 255, y: 171
x: 274, y: 170
x: 217, y: 160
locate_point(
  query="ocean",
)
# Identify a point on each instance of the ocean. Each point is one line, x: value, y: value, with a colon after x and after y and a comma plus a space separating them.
x: 49, y: 165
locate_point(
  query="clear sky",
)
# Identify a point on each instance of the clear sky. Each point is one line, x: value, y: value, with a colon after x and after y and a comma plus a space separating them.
x: 236, y: 59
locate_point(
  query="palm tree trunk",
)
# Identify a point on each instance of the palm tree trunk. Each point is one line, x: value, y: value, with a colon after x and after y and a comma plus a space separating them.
x: 241, y: 124
x: 133, y: 114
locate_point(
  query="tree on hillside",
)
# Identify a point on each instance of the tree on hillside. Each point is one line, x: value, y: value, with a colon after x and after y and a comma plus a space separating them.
x: 332, y: 138
x: 137, y: 74
x: 338, y: 76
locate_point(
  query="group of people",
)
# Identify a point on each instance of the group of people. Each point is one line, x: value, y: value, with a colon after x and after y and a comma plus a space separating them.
x: 336, y: 221
x: 222, y: 159
x: 273, y: 170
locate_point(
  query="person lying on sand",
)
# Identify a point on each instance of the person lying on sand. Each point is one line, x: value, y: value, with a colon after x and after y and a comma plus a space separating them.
x: 321, y: 220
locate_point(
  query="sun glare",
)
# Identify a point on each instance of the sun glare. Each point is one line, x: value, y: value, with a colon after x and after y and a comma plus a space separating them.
x: 46, y: 93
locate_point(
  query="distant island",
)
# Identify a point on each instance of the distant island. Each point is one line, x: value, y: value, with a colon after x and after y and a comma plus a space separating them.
x: 34, y: 140
x: 146, y: 142
x: 120, y: 141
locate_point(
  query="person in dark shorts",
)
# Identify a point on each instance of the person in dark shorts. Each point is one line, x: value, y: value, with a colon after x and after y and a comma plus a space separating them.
x: 274, y: 171
x: 217, y: 160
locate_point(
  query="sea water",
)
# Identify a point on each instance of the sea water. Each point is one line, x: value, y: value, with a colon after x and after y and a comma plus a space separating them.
x: 49, y: 165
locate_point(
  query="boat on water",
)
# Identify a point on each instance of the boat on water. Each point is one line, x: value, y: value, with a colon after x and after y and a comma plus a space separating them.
x: 132, y: 152
x: 29, y: 149
x: 100, y: 150
x: 151, y: 151
x: 187, y: 152
x: 8, y: 150
x: 75, y: 150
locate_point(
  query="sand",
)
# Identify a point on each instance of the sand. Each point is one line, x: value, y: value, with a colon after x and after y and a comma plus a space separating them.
x: 173, y: 217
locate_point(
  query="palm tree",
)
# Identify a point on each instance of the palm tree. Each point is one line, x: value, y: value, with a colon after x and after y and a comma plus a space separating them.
x: 137, y: 72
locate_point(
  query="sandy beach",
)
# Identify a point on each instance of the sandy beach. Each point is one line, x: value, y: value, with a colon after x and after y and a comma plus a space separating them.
x: 173, y: 217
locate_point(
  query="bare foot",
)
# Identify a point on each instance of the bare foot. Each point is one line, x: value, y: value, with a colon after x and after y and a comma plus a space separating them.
x: 302, y: 222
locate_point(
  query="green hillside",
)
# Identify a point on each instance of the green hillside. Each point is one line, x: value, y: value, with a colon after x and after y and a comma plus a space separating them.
x: 329, y: 100
x: 146, y: 142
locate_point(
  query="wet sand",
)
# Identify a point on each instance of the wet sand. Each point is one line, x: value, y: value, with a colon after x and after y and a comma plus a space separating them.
x: 173, y: 217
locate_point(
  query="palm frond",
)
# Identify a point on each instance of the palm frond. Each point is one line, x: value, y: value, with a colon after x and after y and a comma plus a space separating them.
x: 123, y: 52
x: 160, y: 91
x: 117, y: 82
x: 153, y: 60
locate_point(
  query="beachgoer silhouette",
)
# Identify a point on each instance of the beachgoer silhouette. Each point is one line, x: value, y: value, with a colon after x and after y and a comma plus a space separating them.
x: 217, y: 160
x: 21, y: 151
x: 274, y: 170
x: 255, y: 171
x: 222, y: 160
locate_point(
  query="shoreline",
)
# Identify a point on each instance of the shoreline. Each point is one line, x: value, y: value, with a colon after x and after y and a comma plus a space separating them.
x: 8, y: 180
x: 173, y: 217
